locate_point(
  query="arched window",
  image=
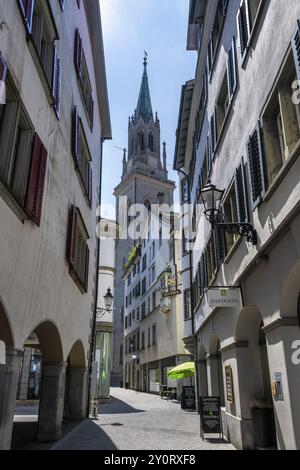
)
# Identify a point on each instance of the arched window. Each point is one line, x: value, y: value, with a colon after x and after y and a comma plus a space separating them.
x: 141, y: 140
x: 151, y: 142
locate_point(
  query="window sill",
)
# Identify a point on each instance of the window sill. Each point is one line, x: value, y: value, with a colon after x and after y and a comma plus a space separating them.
x: 12, y: 203
x: 282, y: 173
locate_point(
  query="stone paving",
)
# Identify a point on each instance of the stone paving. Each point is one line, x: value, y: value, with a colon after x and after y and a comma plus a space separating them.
x: 132, y: 420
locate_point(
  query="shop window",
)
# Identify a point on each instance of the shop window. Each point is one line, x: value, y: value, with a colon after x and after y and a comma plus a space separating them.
x: 280, y: 123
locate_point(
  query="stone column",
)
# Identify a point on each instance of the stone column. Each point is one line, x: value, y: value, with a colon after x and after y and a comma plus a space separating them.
x: 51, y: 401
x: 9, y: 374
x: 78, y: 393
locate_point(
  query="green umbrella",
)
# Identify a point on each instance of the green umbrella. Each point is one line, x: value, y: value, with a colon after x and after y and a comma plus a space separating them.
x: 187, y: 369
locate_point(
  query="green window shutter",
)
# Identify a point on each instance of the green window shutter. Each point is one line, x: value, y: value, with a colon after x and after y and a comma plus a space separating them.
x: 296, y: 48
x: 232, y: 70
x: 241, y: 193
x: 256, y: 167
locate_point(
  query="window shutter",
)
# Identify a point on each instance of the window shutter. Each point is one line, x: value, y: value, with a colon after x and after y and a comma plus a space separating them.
x: 77, y: 51
x: 71, y: 240
x: 205, y: 87
x: 232, y: 70
x: 78, y: 3
x: 91, y: 111
x: 62, y: 4
x: 219, y: 243
x: 256, y: 167
x: 213, y: 129
x: 3, y: 72
x: 209, y: 155
x: 296, y: 48
x: 56, y: 82
x: 76, y: 137
x: 244, y: 26
x: 27, y: 7
x: 225, y: 5
x: 3, y: 69
x: 241, y: 193
x: 209, y: 56
x: 90, y: 191
x: 203, y: 273
x: 87, y: 266
x: 36, y: 181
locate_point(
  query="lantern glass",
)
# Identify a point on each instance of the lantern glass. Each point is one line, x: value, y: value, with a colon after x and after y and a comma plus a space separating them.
x: 108, y: 299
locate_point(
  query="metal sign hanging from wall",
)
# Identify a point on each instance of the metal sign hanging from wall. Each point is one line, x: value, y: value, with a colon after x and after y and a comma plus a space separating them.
x: 224, y: 297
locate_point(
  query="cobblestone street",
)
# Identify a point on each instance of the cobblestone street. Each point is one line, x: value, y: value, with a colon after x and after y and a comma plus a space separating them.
x: 132, y: 420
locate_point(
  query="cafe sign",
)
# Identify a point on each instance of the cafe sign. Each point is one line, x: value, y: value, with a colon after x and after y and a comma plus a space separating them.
x: 224, y: 297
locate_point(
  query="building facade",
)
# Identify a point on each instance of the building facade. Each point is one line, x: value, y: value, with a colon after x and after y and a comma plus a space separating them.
x: 243, y: 135
x: 52, y: 126
x: 153, y: 326
x: 104, y: 325
x: 144, y: 181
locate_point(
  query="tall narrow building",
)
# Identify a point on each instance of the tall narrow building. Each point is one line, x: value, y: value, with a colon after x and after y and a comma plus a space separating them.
x: 144, y: 181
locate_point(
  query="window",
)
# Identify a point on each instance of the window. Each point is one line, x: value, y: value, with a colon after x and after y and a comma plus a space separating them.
x: 149, y: 277
x: 232, y: 70
x: 138, y: 313
x: 143, y: 340
x: 149, y: 338
x: 129, y: 280
x: 149, y: 305
x: 133, y: 314
x: 143, y: 310
x: 23, y: 156
x: 246, y: 18
x: 141, y: 142
x: 126, y: 346
x: 121, y: 354
x: 184, y: 190
x: 153, y: 250
x: 62, y: 4
x: 144, y: 288
x: 160, y: 229
x: 126, y: 323
x: 153, y: 334
x: 138, y: 341
x: 280, y: 123
x: 184, y: 243
x: 77, y: 249
x: 222, y: 106
x: 153, y: 300
x: 171, y: 249
x: 153, y: 273
x: 216, y: 32
x: 144, y: 262
x: 211, y: 260
x: 151, y: 142
x: 187, y: 304
x: 241, y: 193
x: 82, y: 156
x: 83, y: 77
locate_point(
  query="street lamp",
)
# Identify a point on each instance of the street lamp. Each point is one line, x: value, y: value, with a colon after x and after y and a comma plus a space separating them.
x: 108, y: 300
x: 211, y: 197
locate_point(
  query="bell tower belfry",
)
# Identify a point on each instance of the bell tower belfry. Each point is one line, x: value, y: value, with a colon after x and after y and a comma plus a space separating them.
x: 144, y: 181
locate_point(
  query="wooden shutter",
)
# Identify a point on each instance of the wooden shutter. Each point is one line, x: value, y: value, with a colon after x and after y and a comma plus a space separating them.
x: 90, y: 188
x: 56, y: 82
x: 91, y: 111
x: 87, y: 266
x: 244, y: 26
x: 241, y: 193
x: 3, y: 69
x: 256, y: 167
x: 36, y: 181
x: 213, y: 131
x: 27, y: 7
x: 219, y: 242
x: 296, y: 48
x: 76, y: 137
x: 232, y: 70
x: 77, y: 51
x: 71, y: 238
x: 209, y: 155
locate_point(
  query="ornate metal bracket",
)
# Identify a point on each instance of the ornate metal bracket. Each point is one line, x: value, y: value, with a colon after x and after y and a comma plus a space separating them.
x: 242, y: 229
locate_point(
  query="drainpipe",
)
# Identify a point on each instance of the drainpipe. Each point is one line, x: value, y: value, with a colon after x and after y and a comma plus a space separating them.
x: 197, y: 388
x: 93, y: 334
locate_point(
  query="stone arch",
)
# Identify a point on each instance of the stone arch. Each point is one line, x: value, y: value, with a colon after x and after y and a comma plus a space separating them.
x: 50, y: 341
x: 6, y: 332
x: 290, y: 293
x: 77, y: 356
x: 248, y: 323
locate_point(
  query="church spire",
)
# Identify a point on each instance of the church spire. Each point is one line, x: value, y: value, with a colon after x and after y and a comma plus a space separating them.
x: 144, y: 107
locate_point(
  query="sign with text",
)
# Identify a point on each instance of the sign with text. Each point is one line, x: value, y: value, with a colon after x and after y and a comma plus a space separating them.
x: 229, y: 384
x: 188, y: 400
x: 210, y: 415
x: 224, y: 297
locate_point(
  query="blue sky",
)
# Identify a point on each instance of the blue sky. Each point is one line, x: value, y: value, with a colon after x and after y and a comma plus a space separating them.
x: 129, y: 28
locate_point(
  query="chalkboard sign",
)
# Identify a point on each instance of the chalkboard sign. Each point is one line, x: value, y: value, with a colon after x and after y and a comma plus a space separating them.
x: 188, y: 401
x: 210, y: 415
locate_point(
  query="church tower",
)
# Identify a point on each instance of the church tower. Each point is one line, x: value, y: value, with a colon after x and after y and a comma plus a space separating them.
x: 144, y: 181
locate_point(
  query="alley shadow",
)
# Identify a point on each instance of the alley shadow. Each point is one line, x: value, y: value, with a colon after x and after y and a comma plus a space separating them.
x: 116, y: 406
x: 87, y: 436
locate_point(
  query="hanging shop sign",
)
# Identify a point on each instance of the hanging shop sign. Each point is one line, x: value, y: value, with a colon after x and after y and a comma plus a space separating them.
x: 229, y: 384
x: 210, y: 415
x: 224, y: 297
